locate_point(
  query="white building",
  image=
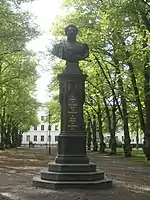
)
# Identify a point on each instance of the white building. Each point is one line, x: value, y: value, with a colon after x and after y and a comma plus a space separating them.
x: 120, y: 137
x: 39, y: 134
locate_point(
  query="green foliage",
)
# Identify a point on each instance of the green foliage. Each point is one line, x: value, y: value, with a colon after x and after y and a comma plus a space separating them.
x: 54, y: 109
x: 17, y: 72
x: 117, y: 32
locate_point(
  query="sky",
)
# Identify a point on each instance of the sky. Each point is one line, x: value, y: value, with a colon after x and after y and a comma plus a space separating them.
x: 45, y: 12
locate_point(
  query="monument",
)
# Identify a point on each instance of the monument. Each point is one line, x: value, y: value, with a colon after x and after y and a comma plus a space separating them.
x: 71, y: 168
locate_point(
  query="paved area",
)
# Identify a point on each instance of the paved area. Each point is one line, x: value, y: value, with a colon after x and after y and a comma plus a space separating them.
x: 17, y: 168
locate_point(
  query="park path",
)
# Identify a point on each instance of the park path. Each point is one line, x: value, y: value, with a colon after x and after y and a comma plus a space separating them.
x: 17, y: 168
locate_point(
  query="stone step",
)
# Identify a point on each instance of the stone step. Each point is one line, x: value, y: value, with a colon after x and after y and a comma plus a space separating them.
x: 71, y: 176
x: 55, y: 167
x: 99, y: 184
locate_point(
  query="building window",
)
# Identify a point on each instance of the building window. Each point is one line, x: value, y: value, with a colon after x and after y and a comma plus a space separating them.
x: 42, y: 138
x: 35, y: 138
x: 42, y: 127
x: 35, y: 127
x: 49, y: 127
x: 56, y: 127
x: 42, y: 118
x: 28, y: 138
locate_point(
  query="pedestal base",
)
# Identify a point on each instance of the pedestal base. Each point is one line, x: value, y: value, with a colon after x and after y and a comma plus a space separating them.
x: 72, y: 149
x: 71, y: 168
x: 59, y: 176
x: 63, y: 159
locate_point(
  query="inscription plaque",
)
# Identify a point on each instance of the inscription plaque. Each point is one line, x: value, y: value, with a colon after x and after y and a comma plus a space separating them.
x: 72, y: 114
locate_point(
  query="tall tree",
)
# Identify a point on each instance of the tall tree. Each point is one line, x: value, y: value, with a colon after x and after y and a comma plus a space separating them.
x: 17, y: 72
x: 117, y: 32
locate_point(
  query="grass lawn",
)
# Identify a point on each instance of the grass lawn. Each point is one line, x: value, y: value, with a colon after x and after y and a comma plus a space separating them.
x: 137, y: 156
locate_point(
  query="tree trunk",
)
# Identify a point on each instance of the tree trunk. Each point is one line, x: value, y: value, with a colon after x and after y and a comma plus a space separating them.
x: 14, y: 136
x: 113, y: 136
x: 137, y: 136
x: 3, y: 129
x: 136, y: 92
x: 8, y: 136
x: 20, y: 139
x: 110, y: 85
x: 127, y: 146
x: 146, y: 147
x: 2, y: 146
x: 95, y: 146
x: 101, y: 137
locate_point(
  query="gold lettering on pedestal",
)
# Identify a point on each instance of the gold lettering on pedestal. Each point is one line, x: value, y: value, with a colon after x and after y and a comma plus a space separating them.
x: 72, y: 114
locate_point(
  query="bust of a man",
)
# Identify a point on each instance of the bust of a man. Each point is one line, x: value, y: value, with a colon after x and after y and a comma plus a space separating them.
x: 71, y: 50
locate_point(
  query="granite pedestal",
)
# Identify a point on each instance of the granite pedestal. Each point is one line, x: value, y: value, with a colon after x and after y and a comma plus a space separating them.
x: 71, y: 168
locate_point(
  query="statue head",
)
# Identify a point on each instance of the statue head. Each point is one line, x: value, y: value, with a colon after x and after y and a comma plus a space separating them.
x: 71, y: 30
x: 69, y: 49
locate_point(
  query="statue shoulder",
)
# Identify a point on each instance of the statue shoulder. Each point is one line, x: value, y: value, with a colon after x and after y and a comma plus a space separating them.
x: 83, y: 45
x: 58, y: 49
x: 85, y: 51
x: 60, y: 43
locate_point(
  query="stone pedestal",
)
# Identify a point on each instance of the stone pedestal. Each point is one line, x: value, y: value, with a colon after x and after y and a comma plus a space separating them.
x: 71, y: 168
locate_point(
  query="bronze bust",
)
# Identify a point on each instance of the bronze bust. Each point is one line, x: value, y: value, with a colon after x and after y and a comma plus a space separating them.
x: 71, y: 50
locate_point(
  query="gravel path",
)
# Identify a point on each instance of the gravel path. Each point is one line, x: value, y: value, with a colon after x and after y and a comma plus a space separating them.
x: 17, y: 168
